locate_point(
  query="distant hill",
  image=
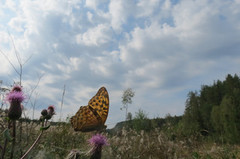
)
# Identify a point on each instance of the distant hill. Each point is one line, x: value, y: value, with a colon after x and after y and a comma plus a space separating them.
x: 145, y: 124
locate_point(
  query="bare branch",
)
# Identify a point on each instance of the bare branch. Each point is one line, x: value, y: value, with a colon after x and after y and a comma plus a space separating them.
x: 34, y: 104
x: 9, y: 62
x: 27, y: 59
x: 33, y: 89
x: 62, y: 101
x: 15, y: 50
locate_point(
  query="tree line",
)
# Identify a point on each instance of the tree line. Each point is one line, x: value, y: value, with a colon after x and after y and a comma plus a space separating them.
x: 215, y: 109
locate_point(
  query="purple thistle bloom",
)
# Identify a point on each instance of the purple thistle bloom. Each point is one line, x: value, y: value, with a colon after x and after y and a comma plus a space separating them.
x: 51, y: 110
x: 98, y: 140
x: 15, y: 96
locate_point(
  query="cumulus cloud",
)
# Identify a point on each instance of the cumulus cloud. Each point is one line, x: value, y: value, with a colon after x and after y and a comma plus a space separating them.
x: 98, y: 35
x: 160, y: 48
x: 120, y: 11
x: 147, y: 7
x: 92, y: 4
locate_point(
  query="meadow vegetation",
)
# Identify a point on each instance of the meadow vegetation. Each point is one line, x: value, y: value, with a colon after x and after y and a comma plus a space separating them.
x: 208, y: 129
x: 60, y: 139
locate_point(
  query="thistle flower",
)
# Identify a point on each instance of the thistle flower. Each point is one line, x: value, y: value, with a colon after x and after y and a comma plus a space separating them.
x: 97, y: 141
x: 51, y: 110
x: 15, y: 98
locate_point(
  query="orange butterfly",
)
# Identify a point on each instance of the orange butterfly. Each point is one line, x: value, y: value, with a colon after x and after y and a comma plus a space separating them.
x: 93, y: 116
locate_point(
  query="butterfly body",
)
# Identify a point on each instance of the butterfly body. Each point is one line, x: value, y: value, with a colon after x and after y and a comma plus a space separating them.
x: 93, y: 116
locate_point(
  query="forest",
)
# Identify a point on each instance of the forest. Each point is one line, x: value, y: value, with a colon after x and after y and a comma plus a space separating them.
x: 215, y: 109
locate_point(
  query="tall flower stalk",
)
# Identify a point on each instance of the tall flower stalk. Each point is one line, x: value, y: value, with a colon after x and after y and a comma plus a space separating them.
x: 15, y: 97
x: 46, y: 115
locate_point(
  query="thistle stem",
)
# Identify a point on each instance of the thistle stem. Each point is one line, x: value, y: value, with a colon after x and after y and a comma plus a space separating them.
x: 4, y: 148
x: 97, y: 153
x: 5, y: 144
x: 36, y: 141
x: 14, y: 138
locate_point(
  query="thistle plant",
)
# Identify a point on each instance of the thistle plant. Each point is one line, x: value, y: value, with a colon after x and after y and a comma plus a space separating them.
x: 97, y: 141
x: 46, y: 115
x: 15, y: 98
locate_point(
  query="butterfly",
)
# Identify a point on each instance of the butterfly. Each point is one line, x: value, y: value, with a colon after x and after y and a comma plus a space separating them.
x: 93, y: 116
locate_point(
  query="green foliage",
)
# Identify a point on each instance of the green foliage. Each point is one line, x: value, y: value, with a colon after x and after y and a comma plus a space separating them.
x: 195, y: 155
x: 155, y: 144
x: 45, y: 128
x: 228, y: 117
x: 141, y: 115
x: 129, y: 116
x: 216, y: 108
x: 127, y: 96
x: 217, y: 123
x: 61, y: 139
x: 141, y: 121
x: 192, y: 113
x: 7, y: 135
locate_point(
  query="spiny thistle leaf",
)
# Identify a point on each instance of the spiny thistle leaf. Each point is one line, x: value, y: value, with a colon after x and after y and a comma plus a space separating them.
x: 7, y: 135
x: 44, y: 128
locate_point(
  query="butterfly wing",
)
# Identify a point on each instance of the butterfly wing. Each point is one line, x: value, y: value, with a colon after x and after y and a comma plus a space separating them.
x: 93, y: 116
x: 100, y: 104
x: 84, y: 119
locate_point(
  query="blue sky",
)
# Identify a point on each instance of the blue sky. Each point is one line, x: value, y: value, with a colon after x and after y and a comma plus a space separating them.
x: 162, y: 49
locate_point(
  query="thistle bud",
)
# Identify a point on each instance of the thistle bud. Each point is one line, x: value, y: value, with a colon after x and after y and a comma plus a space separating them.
x: 51, y: 110
x: 44, y: 112
x: 15, y: 110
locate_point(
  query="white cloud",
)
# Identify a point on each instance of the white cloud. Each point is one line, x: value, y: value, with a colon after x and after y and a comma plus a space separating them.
x: 4, y: 37
x: 10, y: 4
x: 8, y: 60
x: 17, y: 24
x: 96, y: 36
x: 90, y: 16
x: 68, y: 65
x: 146, y: 7
x: 119, y: 11
x: 92, y: 4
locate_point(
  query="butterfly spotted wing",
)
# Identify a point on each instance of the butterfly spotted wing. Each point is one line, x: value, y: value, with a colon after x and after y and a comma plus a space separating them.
x: 93, y: 116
